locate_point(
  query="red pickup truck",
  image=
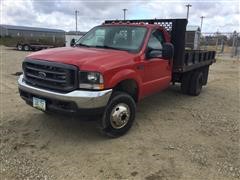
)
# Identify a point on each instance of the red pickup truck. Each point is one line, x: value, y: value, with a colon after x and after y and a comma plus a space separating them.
x: 113, y: 67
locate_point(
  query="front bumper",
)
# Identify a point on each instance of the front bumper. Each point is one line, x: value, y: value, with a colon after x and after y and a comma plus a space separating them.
x: 78, y: 99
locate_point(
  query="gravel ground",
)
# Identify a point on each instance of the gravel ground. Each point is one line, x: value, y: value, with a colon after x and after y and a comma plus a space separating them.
x: 174, y: 136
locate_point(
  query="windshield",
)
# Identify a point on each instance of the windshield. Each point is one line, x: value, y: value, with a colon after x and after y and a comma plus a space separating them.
x: 127, y: 38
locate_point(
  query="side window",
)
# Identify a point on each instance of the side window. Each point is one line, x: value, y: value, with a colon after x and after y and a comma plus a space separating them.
x: 156, y: 40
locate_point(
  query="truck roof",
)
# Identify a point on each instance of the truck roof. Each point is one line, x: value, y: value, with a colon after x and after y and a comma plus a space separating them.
x: 142, y: 24
x: 170, y: 25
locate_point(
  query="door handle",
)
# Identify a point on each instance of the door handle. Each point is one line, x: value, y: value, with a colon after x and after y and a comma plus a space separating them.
x: 140, y: 67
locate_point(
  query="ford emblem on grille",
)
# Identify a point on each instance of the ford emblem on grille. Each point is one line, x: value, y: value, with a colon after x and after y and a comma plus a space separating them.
x: 42, y: 75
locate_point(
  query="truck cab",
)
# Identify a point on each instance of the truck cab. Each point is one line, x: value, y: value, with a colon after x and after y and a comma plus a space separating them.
x: 110, y: 69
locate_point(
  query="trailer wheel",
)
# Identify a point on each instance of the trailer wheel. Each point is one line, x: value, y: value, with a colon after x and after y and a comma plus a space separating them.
x: 19, y: 47
x: 119, y: 115
x: 196, y: 84
x: 26, y: 47
x: 185, y: 83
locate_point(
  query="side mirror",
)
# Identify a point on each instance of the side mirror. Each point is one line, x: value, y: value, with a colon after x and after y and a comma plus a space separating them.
x: 167, y: 51
x: 72, y: 43
x: 154, y: 53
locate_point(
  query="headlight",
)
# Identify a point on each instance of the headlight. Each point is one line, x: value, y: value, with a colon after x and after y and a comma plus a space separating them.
x: 90, y: 80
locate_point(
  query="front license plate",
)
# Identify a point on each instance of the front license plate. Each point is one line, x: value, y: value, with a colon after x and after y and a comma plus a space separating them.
x: 39, y: 103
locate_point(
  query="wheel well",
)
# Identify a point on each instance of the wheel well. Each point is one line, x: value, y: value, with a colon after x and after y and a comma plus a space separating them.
x: 129, y: 86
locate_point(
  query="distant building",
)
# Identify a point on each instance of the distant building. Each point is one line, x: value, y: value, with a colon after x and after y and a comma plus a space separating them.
x: 26, y: 36
x: 17, y: 31
x: 192, y: 38
x: 72, y: 36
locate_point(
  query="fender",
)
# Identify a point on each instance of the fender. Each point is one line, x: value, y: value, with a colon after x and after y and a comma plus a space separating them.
x: 125, y: 74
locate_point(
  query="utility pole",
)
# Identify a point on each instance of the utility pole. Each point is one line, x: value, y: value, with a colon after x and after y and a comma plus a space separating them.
x: 188, y: 6
x: 234, y: 50
x: 124, y: 14
x: 202, y: 17
x: 200, y: 36
x: 76, y: 14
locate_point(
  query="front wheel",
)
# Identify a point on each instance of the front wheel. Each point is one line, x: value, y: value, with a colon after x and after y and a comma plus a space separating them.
x: 119, y: 115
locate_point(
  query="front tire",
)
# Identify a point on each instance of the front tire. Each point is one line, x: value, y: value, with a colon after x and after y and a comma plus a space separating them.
x: 119, y: 115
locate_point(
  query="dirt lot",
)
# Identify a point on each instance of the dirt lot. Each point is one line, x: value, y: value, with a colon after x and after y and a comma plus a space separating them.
x: 174, y: 136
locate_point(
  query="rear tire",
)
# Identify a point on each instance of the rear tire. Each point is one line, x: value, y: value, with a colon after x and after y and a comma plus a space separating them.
x: 26, y: 47
x: 119, y: 115
x: 196, y: 83
x: 185, y: 84
x: 205, y: 72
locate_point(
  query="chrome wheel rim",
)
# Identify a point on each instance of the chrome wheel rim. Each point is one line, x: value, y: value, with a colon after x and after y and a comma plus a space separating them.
x: 120, y: 115
x: 26, y: 48
x: 19, y: 47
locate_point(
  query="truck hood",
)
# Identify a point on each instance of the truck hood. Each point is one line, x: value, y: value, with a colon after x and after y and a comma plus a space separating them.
x: 96, y: 59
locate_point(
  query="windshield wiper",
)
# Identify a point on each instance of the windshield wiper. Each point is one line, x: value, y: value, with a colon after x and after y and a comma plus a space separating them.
x: 82, y: 45
x: 104, y: 47
x: 110, y: 47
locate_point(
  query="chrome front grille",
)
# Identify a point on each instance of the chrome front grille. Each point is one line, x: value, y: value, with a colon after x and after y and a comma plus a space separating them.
x: 50, y: 75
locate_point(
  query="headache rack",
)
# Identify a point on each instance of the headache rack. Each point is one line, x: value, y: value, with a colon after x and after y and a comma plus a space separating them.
x: 175, y: 27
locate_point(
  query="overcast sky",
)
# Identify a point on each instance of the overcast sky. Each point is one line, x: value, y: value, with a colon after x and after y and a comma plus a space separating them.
x: 221, y: 15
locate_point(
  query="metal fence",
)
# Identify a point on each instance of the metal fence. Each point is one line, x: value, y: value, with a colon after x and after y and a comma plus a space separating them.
x: 227, y: 45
